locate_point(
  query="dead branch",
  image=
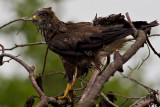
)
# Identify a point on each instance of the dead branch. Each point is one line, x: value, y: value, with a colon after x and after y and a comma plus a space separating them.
x: 133, y: 98
x: 2, y: 48
x: 89, y: 85
x: 154, y: 35
x: 10, y: 59
x: 1, y: 57
x: 19, y: 19
x: 30, y: 71
x: 140, y: 99
x: 44, y: 99
x: 24, y: 45
x: 155, y: 52
x: 145, y: 103
x: 143, y: 60
x: 135, y: 81
x: 45, y: 58
x: 54, y: 73
x: 131, y: 24
x: 106, y: 98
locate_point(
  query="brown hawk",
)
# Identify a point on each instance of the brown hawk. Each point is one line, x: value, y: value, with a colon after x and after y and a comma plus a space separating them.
x: 82, y: 45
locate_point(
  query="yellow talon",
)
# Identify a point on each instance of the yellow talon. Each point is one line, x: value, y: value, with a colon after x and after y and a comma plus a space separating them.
x: 66, y: 93
x: 69, y: 88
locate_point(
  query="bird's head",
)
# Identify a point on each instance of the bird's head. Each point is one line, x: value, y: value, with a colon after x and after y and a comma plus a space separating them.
x: 43, y: 17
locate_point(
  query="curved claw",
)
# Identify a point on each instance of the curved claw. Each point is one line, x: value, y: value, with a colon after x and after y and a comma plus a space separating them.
x: 67, y: 97
x: 69, y: 89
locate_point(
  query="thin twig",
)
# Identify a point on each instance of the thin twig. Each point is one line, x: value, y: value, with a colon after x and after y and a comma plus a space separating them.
x: 135, y: 81
x: 10, y: 59
x: 24, y: 45
x: 143, y: 60
x: 2, y: 48
x: 137, y: 101
x: 22, y: 27
x: 132, y: 69
x: 154, y: 35
x: 106, y: 98
x: 148, y: 41
x: 45, y: 58
x: 1, y: 57
x: 146, y: 102
x: 51, y: 74
x: 19, y: 19
x: 133, y: 98
x: 123, y: 103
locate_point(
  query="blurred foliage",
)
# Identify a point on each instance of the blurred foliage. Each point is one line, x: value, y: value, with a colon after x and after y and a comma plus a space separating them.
x: 14, y: 92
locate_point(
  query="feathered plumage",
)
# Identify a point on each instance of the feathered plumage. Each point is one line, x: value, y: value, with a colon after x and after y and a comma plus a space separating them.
x: 81, y: 45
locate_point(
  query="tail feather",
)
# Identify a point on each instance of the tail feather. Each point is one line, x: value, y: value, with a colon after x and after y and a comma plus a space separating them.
x: 111, y: 34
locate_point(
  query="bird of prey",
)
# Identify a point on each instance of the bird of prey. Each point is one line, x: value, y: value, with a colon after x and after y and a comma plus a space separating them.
x: 82, y: 45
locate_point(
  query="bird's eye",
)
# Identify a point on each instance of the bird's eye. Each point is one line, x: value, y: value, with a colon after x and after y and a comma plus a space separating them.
x: 42, y: 14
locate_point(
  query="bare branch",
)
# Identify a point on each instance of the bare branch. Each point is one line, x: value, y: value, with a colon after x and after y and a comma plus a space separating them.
x: 106, y: 98
x: 148, y: 41
x: 137, y: 101
x: 154, y: 35
x: 1, y: 57
x: 45, y: 58
x: 131, y: 24
x: 143, y: 60
x: 89, y: 85
x: 2, y: 48
x: 19, y: 19
x: 24, y: 45
x: 10, y: 59
x: 146, y: 102
x: 54, y: 73
x: 45, y: 100
x: 30, y: 71
x: 133, y: 98
x: 135, y: 81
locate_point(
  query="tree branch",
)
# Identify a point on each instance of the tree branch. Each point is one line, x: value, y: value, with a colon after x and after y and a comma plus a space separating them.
x: 45, y: 100
x: 155, y: 52
x: 45, y: 58
x: 30, y: 71
x: 24, y: 45
x: 131, y: 24
x: 19, y: 19
x: 106, y: 98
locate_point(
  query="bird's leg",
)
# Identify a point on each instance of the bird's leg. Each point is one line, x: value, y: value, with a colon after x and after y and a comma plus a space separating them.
x: 68, y: 88
x: 73, y: 84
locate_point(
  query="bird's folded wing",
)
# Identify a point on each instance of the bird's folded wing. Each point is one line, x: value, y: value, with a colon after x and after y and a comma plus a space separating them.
x: 75, y: 46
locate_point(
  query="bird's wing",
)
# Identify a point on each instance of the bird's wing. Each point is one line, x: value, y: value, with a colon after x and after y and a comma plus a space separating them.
x: 76, y: 42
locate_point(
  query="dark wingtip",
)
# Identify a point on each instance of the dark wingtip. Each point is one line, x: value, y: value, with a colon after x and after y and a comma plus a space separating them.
x: 154, y: 23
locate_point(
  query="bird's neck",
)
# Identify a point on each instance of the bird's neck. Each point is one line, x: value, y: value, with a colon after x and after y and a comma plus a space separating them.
x: 51, y: 28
